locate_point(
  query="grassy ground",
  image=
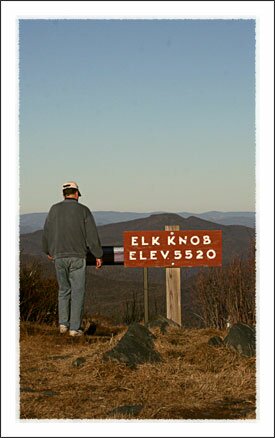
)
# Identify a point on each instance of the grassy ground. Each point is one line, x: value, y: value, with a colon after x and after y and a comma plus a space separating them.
x: 66, y: 378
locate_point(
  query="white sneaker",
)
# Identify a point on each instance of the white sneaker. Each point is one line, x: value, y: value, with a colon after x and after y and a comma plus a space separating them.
x: 76, y: 333
x: 63, y: 328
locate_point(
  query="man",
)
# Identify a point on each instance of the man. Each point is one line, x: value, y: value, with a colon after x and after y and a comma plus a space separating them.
x: 69, y: 231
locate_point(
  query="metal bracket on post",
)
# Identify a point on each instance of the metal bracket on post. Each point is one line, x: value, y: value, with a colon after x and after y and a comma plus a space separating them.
x: 146, y: 300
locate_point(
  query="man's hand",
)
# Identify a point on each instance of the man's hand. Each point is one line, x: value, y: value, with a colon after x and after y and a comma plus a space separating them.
x: 50, y: 257
x: 98, y: 263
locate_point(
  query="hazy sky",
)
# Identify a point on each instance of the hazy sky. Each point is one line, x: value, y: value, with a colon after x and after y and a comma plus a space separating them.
x: 146, y: 115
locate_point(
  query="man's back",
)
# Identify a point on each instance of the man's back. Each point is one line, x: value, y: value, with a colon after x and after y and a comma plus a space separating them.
x: 69, y: 230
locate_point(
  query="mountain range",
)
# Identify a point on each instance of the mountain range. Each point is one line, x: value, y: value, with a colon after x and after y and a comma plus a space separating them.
x: 111, y: 289
x: 31, y: 222
x: 236, y: 239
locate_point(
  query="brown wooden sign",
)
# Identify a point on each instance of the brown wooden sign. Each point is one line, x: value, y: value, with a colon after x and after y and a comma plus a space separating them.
x: 183, y: 248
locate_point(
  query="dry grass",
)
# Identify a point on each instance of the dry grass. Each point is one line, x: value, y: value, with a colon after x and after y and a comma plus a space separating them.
x: 194, y: 381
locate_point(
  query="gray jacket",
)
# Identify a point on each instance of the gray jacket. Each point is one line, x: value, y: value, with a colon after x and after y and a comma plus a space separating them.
x: 70, y: 230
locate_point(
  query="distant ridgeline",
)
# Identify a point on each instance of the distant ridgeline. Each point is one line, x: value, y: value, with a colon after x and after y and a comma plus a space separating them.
x: 35, y: 221
x: 238, y: 240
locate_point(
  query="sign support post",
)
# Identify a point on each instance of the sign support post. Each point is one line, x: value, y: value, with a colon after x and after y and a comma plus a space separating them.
x: 173, y: 287
x: 172, y: 249
x: 146, y: 296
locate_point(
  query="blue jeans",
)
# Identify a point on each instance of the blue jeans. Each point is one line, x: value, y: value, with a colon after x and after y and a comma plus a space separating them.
x: 71, y: 277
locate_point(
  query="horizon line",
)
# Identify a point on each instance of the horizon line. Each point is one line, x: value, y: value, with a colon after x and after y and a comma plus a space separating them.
x: 156, y: 211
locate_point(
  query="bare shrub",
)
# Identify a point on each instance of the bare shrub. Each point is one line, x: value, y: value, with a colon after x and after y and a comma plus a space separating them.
x: 225, y: 296
x: 38, y: 296
x: 133, y: 310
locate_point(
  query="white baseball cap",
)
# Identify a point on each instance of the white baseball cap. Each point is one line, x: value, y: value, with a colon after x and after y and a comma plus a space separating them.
x: 71, y: 185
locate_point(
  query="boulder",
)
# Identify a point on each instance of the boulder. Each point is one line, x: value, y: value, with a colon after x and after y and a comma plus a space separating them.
x: 49, y: 393
x: 135, y: 347
x: 27, y: 389
x: 215, y: 341
x: 161, y: 322
x: 78, y: 362
x: 90, y: 328
x: 242, y: 338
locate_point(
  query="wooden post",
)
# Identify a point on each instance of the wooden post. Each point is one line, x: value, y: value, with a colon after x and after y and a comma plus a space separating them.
x: 146, y: 300
x: 173, y: 289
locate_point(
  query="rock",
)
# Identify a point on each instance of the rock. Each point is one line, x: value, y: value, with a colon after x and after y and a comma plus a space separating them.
x: 242, y: 338
x: 49, y: 393
x: 161, y: 322
x: 215, y: 341
x: 27, y: 389
x: 78, y: 362
x: 135, y: 347
x: 131, y: 410
x: 90, y: 329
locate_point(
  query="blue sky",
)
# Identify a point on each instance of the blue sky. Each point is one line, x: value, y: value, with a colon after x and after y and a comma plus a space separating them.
x: 146, y: 115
